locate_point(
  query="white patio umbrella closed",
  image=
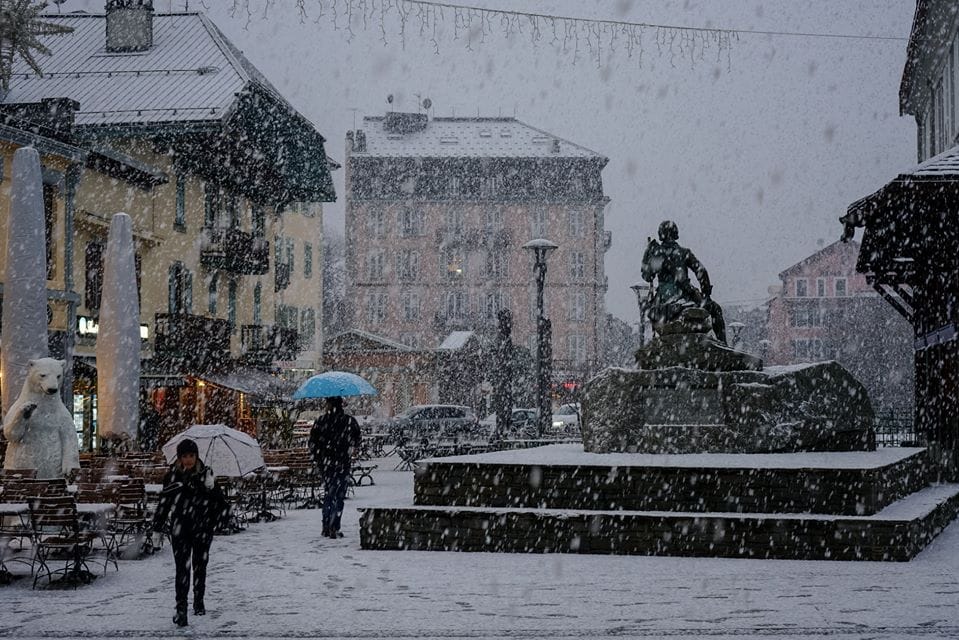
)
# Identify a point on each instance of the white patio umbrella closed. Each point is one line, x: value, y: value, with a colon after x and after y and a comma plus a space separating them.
x: 230, y: 453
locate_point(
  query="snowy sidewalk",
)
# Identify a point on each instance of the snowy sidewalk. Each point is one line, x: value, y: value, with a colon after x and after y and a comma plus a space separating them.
x: 282, y: 580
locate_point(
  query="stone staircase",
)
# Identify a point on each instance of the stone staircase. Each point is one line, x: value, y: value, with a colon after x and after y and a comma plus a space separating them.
x: 875, y: 505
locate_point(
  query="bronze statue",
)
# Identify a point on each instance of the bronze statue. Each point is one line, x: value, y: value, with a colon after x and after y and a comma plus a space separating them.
x: 669, y: 264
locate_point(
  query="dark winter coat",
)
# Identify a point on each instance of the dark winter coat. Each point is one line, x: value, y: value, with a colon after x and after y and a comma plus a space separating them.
x: 190, y: 504
x: 332, y: 437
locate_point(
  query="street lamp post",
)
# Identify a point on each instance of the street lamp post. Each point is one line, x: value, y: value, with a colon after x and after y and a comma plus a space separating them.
x: 735, y: 329
x: 641, y: 289
x: 541, y: 248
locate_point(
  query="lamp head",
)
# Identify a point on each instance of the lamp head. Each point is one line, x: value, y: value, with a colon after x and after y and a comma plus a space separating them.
x: 540, y: 248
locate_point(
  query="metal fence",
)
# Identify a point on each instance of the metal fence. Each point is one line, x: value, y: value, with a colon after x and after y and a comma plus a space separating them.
x: 895, y: 428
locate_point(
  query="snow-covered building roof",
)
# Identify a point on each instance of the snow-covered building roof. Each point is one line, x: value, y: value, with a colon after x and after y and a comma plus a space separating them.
x: 456, y: 340
x: 359, y: 340
x: 467, y: 137
x: 191, y: 73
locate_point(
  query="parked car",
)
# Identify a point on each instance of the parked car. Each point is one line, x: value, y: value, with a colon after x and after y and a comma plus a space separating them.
x: 522, y: 423
x: 434, y: 422
x: 566, y: 419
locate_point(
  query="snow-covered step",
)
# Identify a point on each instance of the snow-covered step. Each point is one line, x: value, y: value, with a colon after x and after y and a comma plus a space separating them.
x: 898, y: 532
x: 565, y: 477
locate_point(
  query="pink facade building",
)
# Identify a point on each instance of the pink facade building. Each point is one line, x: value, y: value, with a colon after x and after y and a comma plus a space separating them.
x: 437, y: 212
x: 827, y: 311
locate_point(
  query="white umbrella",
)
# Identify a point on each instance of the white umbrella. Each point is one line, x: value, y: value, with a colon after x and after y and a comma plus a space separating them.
x: 230, y: 453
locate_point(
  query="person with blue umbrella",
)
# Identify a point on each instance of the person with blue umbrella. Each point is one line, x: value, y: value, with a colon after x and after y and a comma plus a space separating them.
x: 334, y: 441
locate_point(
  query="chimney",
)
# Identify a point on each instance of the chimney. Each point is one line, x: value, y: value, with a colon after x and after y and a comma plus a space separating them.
x: 129, y: 25
x: 360, y: 144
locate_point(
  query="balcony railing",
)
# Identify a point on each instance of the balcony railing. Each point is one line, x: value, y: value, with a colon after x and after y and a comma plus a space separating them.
x: 191, y: 343
x: 261, y: 345
x: 235, y: 251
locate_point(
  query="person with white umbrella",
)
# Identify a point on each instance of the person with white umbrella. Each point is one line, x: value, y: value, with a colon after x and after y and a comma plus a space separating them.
x: 190, y: 509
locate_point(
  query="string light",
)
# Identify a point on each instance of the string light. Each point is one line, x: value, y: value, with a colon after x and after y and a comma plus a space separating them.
x: 472, y: 26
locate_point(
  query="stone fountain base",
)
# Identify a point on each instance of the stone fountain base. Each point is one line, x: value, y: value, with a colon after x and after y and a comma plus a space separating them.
x: 810, y: 407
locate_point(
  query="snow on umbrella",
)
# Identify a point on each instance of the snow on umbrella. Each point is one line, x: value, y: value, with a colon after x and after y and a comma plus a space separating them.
x: 230, y: 453
x: 332, y: 384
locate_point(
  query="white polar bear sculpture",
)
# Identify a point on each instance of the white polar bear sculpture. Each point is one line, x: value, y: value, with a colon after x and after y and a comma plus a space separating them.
x: 39, y: 430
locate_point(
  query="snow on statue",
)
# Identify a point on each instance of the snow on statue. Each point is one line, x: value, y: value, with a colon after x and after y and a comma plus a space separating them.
x: 39, y: 430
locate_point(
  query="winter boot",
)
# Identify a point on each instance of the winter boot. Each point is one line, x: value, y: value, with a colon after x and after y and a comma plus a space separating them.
x: 198, y: 608
x: 180, y: 618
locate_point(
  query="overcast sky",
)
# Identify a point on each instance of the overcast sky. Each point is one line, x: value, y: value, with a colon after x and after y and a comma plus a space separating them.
x: 755, y: 157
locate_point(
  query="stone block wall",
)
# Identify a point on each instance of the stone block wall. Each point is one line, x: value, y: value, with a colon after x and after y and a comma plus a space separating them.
x: 831, y: 491
x: 742, y: 536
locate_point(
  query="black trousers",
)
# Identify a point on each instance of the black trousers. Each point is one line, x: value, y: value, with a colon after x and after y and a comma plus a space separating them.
x: 185, y: 548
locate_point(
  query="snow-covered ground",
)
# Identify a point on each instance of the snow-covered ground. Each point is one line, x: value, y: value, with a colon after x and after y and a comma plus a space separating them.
x: 282, y: 580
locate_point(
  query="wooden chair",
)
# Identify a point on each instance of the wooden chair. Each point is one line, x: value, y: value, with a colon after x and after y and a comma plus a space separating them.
x: 132, y: 521
x: 58, y: 537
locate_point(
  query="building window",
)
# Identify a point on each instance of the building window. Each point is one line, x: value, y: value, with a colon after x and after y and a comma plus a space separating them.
x: 457, y: 305
x: 576, y: 349
x: 840, y: 287
x: 494, y: 304
x: 539, y: 223
x: 411, y: 222
x: 805, y: 315
x: 179, y: 289
x: 577, y: 306
x: 455, y: 224
x: 493, y: 218
x: 286, y: 316
x: 453, y: 264
x: 801, y: 288
x: 211, y: 296
x: 211, y: 205
x: 940, y: 108
x: 307, y: 328
x: 375, y: 266
x: 948, y: 72
x: 821, y: 287
x: 259, y: 221
x: 93, y: 272
x: 408, y: 265
x: 376, y: 308
x: 497, y: 264
x: 258, y: 304
x: 231, y: 302
x: 290, y: 253
x: 376, y: 222
x: 411, y: 306
x: 233, y: 210
x: 307, y: 260
x: 807, y: 350
x: 179, y: 220
x: 576, y: 225
x: 49, y: 219
x: 577, y: 265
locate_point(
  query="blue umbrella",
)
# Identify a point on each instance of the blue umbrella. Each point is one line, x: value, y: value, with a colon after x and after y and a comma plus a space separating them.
x: 332, y: 384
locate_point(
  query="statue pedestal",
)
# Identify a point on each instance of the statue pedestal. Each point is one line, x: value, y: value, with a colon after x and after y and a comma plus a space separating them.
x: 694, y: 351
x: 809, y: 407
